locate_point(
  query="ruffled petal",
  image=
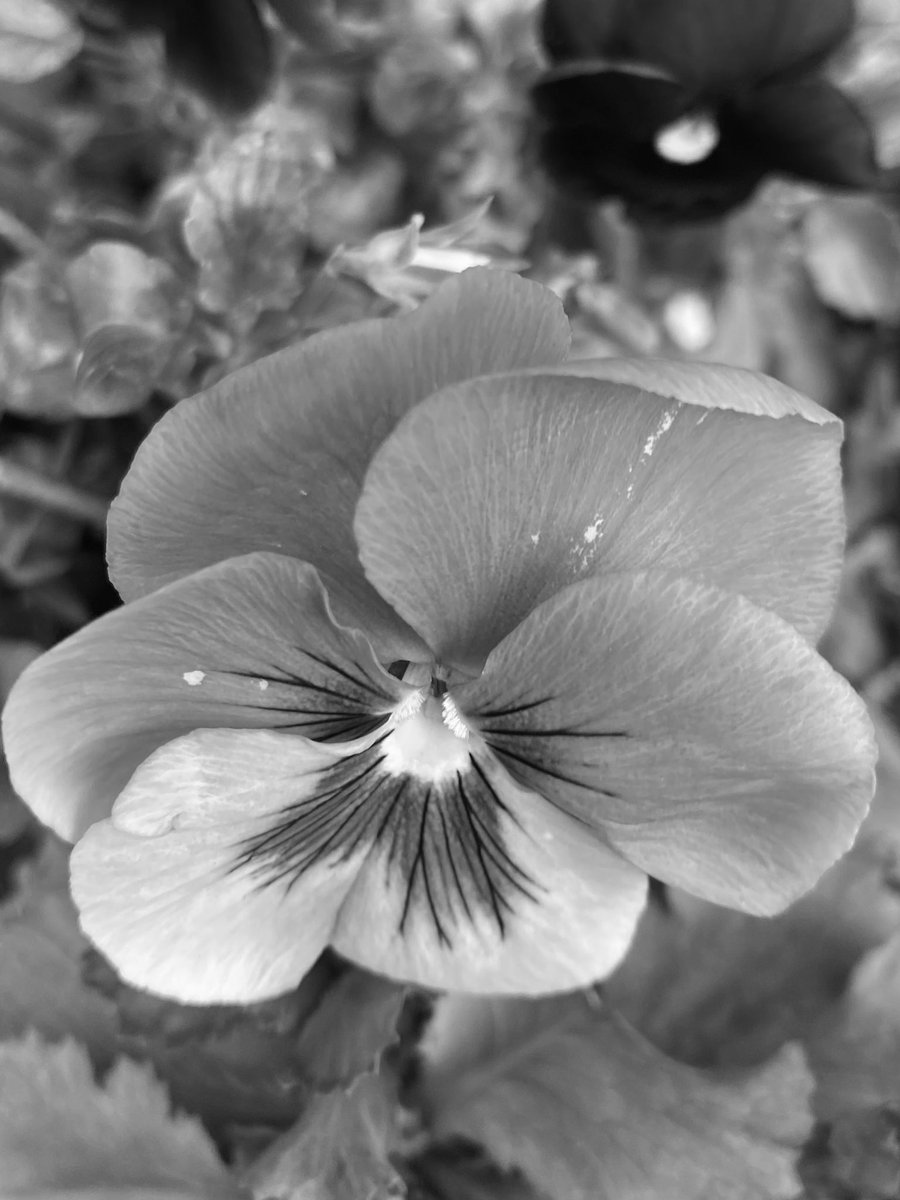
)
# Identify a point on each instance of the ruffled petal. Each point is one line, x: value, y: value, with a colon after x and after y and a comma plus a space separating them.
x: 701, y: 734
x: 560, y: 907
x: 810, y: 129
x: 272, y: 457
x: 246, y: 643
x: 166, y: 889
x: 724, y: 45
x: 493, y: 495
x: 609, y: 100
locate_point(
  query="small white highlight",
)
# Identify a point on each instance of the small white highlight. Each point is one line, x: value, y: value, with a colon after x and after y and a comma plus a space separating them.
x: 262, y: 684
x: 411, y: 705
x: 194, y: 678
x: 668, y: 419
x: 535, y: 538
x: 592, y: 532
x: 587, y: 546
x: 688, y: 140
x: 452, y: 719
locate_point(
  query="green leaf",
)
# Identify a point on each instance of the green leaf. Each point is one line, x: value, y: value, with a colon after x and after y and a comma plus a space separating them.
x: 569, y: 1094
x: 36, y: 39
x: 355, y: 1021
x: 718, y: 988
x: 855, y: 1055
x: 60, y: 1131
x: 852, y: 252
x: 338, y: 1150
x: 41, y: 947
x: 259, y: 1063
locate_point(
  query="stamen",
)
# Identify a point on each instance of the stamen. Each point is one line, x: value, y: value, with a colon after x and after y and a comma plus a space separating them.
x: 452, y: 719
x: 688, y: 140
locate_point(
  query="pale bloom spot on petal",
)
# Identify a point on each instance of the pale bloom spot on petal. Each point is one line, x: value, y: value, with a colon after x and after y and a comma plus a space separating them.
x: 666, y: 422
x: 688, y: 140
x: 193, y: 678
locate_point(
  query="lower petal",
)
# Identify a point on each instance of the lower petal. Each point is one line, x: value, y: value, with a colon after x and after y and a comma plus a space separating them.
x: 559, y: 911
x: 168, y: 891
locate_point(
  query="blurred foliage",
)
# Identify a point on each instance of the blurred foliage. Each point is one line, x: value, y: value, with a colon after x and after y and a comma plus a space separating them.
x: 177, y: 200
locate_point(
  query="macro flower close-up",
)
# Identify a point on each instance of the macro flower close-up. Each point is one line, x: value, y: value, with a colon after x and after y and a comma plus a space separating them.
x: 435, y: 648
x: 682, y: 109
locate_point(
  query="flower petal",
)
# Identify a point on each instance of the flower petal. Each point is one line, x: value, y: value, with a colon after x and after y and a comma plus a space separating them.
x: 246, y: 643
x: 271, y: 457
x: 610, y: 100
x: 564, y: 918
x: 813, y: 130
x: 701, y: 734
x: 720, y: 45
x: 163, y: 886
x: 493, y: 495
x: 603, y: 164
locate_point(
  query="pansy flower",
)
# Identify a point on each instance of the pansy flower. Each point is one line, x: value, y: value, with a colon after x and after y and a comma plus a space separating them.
x: 683, y: 107
x: 435, y: 648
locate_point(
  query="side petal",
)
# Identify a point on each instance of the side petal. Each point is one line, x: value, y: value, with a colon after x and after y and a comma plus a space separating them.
x: 563, y: 906
x: 812, y: 130
x: 246, y: 643
x: 164, y: 887
x: 494, y: 494
x: 721, y: 46
x: 701, y: 734
x: 271, y: 458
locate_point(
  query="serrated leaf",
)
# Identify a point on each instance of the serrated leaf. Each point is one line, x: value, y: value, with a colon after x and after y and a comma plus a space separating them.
x: 568, y: 1093
x: 356, y: 1020
x: 36, y: 39
x: 60, y: 1130
x: 338, y: 1150
x: 258, y: 1064
x: 715, y: 987
x: 41, y: 946
x: 856, y: 1054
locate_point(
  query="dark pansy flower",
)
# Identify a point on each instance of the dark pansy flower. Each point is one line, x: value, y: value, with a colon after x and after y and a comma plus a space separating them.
x: 683, y: 106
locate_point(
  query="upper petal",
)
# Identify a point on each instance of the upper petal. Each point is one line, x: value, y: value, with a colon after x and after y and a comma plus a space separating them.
x: 722, y: 45
x: 245, y: 643
x: 496, y: 493
x: 701, y: 734
x: 272, y: 457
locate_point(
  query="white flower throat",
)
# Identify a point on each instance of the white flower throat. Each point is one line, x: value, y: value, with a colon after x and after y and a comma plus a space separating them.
x: 428, y: 739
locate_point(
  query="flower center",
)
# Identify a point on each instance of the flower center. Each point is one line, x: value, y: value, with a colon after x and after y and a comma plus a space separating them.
x: 429, y: 738
x: 688, y: 140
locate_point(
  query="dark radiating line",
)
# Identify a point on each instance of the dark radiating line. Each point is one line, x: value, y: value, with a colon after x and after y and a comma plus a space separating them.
x: 509, y: 712
x: 575, y: 733
x: 460, y: 890
x: 492, y: 891
x: 527, y: 762
x: 365, y: 683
